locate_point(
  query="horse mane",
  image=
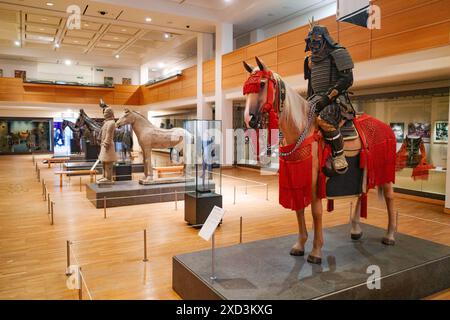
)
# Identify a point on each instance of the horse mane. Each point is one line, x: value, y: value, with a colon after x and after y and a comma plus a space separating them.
x: 295, y: 109
x: 143, y: 117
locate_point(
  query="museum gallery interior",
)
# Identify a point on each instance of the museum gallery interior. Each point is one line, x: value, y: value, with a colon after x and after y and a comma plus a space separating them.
x: 224, y: 150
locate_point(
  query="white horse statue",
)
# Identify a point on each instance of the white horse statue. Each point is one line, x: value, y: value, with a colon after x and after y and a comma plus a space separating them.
x: 150, y: 136
x: 298, y: 125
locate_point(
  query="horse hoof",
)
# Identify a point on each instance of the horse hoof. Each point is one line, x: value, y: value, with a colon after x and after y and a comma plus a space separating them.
x: 314, y: 260
x: 356, y: 236
x: 297, y: 252
x: 387, y: 241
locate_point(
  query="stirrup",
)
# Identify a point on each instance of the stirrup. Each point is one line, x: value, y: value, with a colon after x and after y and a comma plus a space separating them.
x: 342, y: 170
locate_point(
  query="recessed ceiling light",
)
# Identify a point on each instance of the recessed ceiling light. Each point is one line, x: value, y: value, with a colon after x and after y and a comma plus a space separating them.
x: 56, y: 45
x: 148, y: 19
x: 124, y: 30
x: 108, y: 45
x: 117, y: 56
x: 166, y: 35
x: 17, y: 43
x: 43, y: 19
x: 67, y: 62
x: 161, y: 65
x: 115, y: 38
x: 86, y: 25
x: 76, y: 41
x: 50, y: 4
x: 41, y: 29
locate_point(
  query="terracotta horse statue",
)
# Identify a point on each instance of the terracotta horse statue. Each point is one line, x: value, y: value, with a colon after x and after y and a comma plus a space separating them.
x: 303, y: 157
x: 150, y: 136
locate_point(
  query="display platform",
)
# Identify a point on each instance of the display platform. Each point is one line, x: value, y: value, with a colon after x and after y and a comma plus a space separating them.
x: 412, y: 269
x: 198, y: 206
x: 130, y: 193
x: 86, y: 165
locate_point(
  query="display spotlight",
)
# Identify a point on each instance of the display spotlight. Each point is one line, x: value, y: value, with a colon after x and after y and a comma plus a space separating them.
x: 17, y: 43
x: 117, y: 56
x: 67, y: 62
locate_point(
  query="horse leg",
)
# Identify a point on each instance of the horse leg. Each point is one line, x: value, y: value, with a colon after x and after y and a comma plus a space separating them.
x: 316, y: 208
x: 299, y: 247
x: 316, y: 254
x: 388, y: 192
x: 356, y: 232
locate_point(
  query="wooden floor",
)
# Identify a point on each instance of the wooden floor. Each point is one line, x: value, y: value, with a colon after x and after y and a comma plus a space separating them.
x: 110, y: 251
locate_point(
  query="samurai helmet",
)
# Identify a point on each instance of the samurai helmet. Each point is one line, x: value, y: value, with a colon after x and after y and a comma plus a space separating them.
x: 317, y: 37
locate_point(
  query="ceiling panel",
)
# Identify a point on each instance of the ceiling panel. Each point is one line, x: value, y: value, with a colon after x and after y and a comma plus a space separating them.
x: 88, y: 25
x: 85, y: 34
x: 108, y: 45
x: 41, y: 29
x: 123, y: 30
x: 54, y: 21
x: 95, y: 8
x: 75, y: 41
x: 39, y: 37
x: 115, y: 37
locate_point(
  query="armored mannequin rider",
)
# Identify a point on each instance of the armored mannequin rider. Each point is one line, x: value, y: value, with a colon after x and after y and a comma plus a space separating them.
x: 329, y: 73
x: 107, y: 152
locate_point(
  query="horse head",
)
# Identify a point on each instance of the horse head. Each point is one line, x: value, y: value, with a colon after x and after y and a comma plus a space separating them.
x: 127, y: 118
x: 256, y: 91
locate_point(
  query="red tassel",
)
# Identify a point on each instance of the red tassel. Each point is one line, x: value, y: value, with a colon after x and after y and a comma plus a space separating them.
x: 363, y: 213
x: 330, y: 205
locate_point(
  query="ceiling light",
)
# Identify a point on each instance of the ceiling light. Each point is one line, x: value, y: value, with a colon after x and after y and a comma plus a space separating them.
x: 108, y: 45
x: 86, y: 25
x: 43, y: 19
x: 154, y: 70
x: 166, y: 35
x: 75, y: 41
x: 50, y: 4
x: 67, y: 62
x: 161, y: 65
x: 115, y: 38
x: 148, y: 19
x: 117, y: 56
x: 56, y: 45
x: 41, y: 29
x: 124, y: 30
x: 17, y: 43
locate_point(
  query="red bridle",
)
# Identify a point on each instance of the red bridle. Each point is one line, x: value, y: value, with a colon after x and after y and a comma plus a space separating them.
x: 253, y: 85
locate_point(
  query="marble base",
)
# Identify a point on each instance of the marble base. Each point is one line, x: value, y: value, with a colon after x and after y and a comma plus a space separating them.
x: 128, y: 193
x: 412, y: 269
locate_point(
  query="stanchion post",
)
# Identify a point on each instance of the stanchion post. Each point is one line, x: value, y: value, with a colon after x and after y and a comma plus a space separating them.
x: 267, y: 192
x: 145, y: 245
x: 80, y: 184
x: 68, y: 257
x: 39, y: 174
x: 104, y: 207
x: 396, y: 221
x: 45, y: 191
x: 176, y: 200
x: 234, y: 198
x: 80, y: 281
x: 245, y: 187
x: 48, y: 203
x: 213, y: 257
x: 240, y: 230
x: 51, y: 212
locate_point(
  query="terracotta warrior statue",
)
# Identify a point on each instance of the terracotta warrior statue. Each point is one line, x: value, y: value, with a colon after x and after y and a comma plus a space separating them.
x: 329, y: 73
x: 107, y: 152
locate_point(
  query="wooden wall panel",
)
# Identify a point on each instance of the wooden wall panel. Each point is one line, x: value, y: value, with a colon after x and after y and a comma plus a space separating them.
x: 429, y: 37
x: 294, y: 37
x: 233, y: 57
x: 413, y: 17
x: 290, y: 68
x: 261, y: 48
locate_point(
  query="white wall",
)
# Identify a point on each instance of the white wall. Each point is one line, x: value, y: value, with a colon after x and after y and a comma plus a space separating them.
x: 78, y: 73
x: 284, y: 26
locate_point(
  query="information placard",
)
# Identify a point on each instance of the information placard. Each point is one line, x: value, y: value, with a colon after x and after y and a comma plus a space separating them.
x: 211, y: 223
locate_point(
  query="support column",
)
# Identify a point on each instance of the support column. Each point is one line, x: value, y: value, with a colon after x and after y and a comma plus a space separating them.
x: 143, y: 74
x: 224, y: 108
x: 447, y: 177
x: 204, y: 53
x: 257, y: 35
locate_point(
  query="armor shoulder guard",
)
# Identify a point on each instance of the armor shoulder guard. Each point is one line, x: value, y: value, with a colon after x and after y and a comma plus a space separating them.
x: 306, y: 69
x: 342, y: 59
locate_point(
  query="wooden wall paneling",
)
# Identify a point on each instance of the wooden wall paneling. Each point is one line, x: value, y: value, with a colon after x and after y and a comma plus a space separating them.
x: 360, y: 52
x: 413, y: 18
x: 290, y: 68
x: 234, y: 81
x: 293, y: 53
x: 350, y: 35
x: 236, y: 56
x: 294, y: 37
x: 392, y: 7
x: 261, y: 48
x: 428, y: 37
x: 331, y: 24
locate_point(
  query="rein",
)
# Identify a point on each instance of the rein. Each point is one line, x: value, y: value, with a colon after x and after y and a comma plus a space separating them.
x: 276, y: 96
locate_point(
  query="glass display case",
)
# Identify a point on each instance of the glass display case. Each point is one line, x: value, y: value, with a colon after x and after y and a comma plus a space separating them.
x: 203, y: 170
x: 202, y: 155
